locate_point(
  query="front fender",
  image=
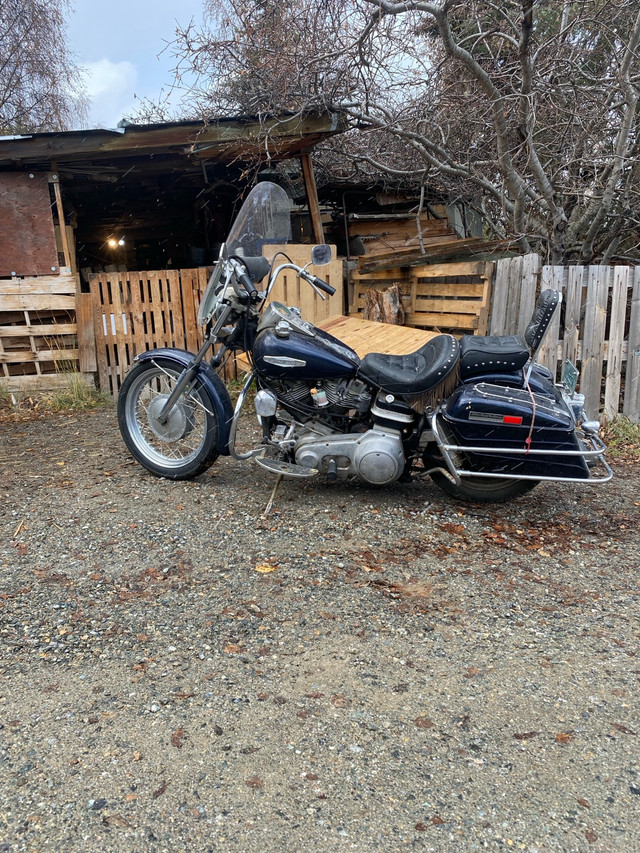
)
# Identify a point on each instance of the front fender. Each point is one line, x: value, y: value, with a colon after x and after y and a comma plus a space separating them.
x: 223, y: 409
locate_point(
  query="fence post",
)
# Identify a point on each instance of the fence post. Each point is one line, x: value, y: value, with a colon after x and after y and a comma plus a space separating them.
x: 632, y: 382
x: 593, y: 344
x: 616, y: 341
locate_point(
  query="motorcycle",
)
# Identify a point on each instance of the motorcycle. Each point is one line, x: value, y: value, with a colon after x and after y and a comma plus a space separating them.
x: 478, y: 415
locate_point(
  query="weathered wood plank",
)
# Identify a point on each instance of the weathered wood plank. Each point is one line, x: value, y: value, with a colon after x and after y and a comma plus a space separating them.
x: 497, y: 324
x: 98, y: 288
x: 57, y: 356
x: 86, y: 335
x: 593, y: 345
x: 631, y: 407
x: 453, y: 270
x: 461, y: 322
x: 63, y: 284
x: 36, y: 384
x: 514, y: 292
x: 37, y: 302
x: 529, y: 289
x: 552, y: 278
x: 616, y: 340
x: 39, y: 329
x: 572, y: 313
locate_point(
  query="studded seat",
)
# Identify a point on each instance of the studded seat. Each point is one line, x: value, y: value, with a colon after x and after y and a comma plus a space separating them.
x: 508, y: 353
x: 415, y: 373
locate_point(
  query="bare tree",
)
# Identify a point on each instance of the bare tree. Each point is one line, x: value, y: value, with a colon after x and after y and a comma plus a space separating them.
x: 39, y: 88
x: 527, y: 110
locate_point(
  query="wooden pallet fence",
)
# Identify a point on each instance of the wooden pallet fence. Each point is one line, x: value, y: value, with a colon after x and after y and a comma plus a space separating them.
x: 38, y: 333
x: 598, y: 328
x: 134, y: 312
x: 438, y: 297
x: 292, y: 290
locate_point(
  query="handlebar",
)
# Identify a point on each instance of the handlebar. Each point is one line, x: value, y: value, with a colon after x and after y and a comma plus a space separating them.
x: 248, y: 270
x: 314, y: 281
x: 243, y: 277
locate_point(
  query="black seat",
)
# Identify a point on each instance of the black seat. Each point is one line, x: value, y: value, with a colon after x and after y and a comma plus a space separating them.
x: 416, y: 372
x: 508, y: 353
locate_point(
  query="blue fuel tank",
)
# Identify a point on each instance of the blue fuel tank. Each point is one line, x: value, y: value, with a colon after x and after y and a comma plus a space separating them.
x: 303, y: 356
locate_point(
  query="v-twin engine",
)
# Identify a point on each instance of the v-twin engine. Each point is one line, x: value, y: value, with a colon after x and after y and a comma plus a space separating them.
x: 375, y: 456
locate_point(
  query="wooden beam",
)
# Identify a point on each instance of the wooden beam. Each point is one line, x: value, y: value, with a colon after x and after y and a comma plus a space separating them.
x: 312, y: 197
x: 54, y: 179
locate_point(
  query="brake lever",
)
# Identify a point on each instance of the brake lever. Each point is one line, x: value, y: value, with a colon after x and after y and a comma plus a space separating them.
x: 309, y: 279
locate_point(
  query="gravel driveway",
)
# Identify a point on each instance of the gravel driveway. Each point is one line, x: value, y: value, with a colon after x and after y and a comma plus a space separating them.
x: 360, y: 670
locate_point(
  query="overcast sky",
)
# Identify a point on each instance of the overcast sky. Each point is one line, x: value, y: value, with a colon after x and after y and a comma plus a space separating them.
x: 118, y: 43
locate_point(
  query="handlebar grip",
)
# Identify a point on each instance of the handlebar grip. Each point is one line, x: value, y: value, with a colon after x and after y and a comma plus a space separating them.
x: 322, y: 285
x: 249, y: 286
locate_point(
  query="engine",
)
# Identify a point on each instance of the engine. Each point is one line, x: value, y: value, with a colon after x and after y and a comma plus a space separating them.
x: 334, y: 396
x: 375, y: 456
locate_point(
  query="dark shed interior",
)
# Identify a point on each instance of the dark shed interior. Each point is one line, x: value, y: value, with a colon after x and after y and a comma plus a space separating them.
x: 155, y: 196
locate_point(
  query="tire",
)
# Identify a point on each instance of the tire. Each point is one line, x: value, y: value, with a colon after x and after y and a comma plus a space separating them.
x: 483, y: 489
x: 183, y: 447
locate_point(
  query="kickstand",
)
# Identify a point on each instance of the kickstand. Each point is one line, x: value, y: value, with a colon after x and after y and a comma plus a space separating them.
x: 267, y: 509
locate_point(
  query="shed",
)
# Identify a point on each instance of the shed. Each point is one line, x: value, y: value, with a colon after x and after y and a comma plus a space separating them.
x: 139, y: 197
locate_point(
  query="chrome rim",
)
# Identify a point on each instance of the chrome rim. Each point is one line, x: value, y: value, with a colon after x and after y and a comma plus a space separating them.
x: 181, y: 439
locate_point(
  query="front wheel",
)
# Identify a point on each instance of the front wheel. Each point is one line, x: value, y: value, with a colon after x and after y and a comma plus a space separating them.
x: 186, y: 444
x: 483, y: 489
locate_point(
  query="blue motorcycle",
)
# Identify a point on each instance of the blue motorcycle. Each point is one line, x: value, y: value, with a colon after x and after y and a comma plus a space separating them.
x: 478, y: 415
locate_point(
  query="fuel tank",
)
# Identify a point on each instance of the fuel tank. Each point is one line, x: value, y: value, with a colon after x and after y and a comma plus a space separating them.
x: 298, y: 355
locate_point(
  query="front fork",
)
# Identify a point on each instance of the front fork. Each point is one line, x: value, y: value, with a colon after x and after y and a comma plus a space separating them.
x: 184, y: 381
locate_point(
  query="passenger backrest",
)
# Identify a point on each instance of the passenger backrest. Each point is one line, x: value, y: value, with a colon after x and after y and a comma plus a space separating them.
x: 543, y: 313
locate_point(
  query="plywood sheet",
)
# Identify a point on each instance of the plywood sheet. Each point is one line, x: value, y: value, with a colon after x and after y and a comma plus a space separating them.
x: 365, y: 336
x: 27, y: 237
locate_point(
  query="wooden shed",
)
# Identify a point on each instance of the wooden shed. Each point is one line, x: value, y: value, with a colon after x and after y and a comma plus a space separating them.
x: 137, y: 198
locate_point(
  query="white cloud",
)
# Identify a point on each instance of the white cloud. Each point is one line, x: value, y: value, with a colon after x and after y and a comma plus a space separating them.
x: 110, y: 87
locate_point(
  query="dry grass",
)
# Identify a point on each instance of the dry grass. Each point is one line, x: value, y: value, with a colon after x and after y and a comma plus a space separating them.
x: 622, y: 438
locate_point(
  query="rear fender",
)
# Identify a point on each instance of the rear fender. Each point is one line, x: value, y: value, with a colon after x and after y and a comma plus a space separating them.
x: 223, y: 409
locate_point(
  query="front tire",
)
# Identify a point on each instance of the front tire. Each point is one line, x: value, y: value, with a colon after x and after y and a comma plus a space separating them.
x: 483, y: 489
x: 184, y: 446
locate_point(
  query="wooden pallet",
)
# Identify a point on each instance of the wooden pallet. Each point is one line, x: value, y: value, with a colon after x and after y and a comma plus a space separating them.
x: 399, y: 233
x: 38, y: 333
x: 365, y: 336
x: 133, y: 312
x: 438, y: 297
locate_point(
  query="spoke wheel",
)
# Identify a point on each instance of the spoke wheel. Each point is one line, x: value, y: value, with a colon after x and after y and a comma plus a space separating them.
x: 186, y: 443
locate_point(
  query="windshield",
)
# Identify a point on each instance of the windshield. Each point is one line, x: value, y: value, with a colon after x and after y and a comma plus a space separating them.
x: 265, y: 217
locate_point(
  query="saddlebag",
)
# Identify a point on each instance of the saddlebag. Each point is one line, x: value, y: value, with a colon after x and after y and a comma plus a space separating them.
x: 484, y: 421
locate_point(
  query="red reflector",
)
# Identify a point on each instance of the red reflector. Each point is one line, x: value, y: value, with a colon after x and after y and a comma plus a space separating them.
x: 511, y: 419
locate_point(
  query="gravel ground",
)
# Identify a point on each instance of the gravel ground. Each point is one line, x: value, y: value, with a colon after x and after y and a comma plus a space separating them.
x: 368, y: 670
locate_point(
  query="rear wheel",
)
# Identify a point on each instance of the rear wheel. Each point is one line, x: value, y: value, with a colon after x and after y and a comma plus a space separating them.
x: 186, y: 444
x: 483, y: 489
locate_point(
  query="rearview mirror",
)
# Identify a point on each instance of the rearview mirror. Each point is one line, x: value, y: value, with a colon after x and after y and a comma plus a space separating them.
x: 321, y: 255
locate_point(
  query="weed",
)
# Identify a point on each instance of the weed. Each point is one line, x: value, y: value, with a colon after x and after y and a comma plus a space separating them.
x: 622, y: 438
x: 76, y: 395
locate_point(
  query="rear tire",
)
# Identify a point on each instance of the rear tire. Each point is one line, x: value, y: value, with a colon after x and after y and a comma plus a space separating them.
x: 183, y: 447
x: 483, y: 489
